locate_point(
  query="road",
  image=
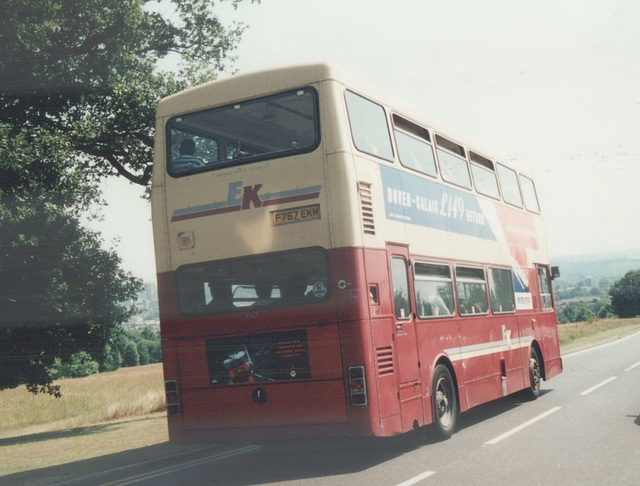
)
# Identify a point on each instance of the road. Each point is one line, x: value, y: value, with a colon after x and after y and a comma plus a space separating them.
x: 584, y: 429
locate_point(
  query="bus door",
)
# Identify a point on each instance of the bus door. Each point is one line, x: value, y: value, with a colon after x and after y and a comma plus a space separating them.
x: 546, y: 323
x: 406, y: 348
x: 484, y: 339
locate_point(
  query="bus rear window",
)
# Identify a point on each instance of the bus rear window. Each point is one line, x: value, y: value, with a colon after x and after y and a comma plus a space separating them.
x: 258, y: 282
x: 266, y: 128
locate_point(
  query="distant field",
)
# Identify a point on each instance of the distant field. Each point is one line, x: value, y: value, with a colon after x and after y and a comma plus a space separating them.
x: 124, y: 410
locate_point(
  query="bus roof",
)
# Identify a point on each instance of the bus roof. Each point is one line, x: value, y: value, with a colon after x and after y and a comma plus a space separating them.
x: 272, y: 80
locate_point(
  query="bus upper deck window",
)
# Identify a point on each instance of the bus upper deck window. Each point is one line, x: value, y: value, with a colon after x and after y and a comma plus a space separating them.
x: 509, y: 184
x: 529, y: 194
x: 414, y: 146
x: 484, y: 175
x: 369, y: 126
x: 453, y: 164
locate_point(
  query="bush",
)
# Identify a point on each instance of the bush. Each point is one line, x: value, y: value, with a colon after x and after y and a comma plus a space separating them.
x: 79, y: 364
x: 625, y: 295
x: 130, y: 356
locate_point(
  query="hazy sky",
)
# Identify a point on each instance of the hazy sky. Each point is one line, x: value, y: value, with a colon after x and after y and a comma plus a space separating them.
x: 553, y: 86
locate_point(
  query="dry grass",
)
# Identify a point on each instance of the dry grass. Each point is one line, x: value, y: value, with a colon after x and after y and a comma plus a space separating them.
x: 128, y: 392
x: 581, y: 334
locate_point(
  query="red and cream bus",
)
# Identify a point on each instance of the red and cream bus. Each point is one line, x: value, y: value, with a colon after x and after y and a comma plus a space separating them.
x: 329, y: 263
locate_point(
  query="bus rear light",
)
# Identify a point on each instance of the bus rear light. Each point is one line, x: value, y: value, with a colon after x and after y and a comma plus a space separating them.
x: 171, y: 396
x: 357, y: 386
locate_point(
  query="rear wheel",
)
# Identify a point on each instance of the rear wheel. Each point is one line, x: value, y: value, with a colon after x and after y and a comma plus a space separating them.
x: 535, y: 376
x: 444, y: 402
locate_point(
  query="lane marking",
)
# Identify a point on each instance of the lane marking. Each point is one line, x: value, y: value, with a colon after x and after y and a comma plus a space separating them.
x: 131, y: 465
x: 417, y: 479
x: 179, y: 467
x: 522, y: 426
x: 633, y: 366
x: 586, y: 392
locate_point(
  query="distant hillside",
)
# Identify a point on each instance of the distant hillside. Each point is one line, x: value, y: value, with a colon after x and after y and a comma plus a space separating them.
x: 597, y: 266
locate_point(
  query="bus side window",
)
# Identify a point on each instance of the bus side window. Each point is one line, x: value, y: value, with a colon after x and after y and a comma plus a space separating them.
x: 369, y: 126
x: 400, y: 283
x: 501, y: 290
x: 414, y: 146
x: 471, y: 289
x: 544, y: 285
x: 510, y: 188
x: 453, y: 162
x: 434, y: 290
x: 529, y: 195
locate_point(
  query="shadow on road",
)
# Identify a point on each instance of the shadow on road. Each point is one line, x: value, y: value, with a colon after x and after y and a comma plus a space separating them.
x: 58, y: 434
x: 267, y: 462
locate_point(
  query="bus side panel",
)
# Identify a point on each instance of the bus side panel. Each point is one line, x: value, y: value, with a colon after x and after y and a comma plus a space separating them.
x: 434, y: 336
x: 167, y: 304
x: 363, y: 418
x: 542, y: 324
x: 386, y: 377
x: 383, y: 343
x: 546, y: 322
x: 170, y: 359
x: 171, y: 371
x: 514, y: 366
x: 348, y: 274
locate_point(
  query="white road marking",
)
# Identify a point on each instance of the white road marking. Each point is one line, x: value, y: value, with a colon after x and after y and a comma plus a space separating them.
x: 633, y: 366
x: 180, y: 467
x: 522, y: 426
x: 586, y: 392
x: 417, y: 479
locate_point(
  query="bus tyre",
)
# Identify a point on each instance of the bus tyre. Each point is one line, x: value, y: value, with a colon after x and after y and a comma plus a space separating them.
x: 444, y: 402
x: 535, y: 376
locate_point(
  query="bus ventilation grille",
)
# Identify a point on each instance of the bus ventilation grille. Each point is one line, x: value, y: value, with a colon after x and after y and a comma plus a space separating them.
x: 384, y: 358
x: 366, y: 207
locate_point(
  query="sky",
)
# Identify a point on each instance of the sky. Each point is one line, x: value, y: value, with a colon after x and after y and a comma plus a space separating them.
x: 552, y: 86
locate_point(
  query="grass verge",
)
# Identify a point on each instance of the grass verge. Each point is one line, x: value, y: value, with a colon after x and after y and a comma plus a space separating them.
x: 595, y: 331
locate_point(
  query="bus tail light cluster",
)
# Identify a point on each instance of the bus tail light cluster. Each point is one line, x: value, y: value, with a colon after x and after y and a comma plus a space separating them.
x: 171, y: 394
x: 357, y: 386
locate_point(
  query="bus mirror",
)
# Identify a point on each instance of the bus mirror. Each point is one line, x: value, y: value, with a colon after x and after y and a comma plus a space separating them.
x: 555, y: 272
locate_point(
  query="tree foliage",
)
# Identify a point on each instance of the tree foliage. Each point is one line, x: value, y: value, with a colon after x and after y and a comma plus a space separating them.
x: 79, y: 82
x: 60, y: 293
x: 625, y: 295
x: 86, y: 73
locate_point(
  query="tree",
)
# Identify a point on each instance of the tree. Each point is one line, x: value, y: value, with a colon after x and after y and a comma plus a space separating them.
x: 86, y: 73
x: 60, y: 293
x: 625, y: 295
x: 78, y: 87
x: 130, y: 356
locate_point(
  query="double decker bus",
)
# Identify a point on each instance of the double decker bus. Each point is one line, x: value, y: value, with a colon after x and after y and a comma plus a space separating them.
x: 329, y: 263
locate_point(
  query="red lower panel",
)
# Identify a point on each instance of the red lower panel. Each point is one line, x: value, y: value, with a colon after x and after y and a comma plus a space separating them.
x: 296, y: 404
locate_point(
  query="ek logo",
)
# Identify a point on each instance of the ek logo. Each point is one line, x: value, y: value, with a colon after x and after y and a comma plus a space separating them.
x: 244, y: 195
